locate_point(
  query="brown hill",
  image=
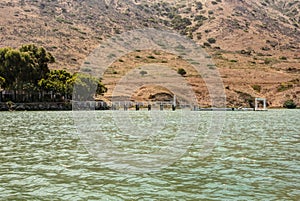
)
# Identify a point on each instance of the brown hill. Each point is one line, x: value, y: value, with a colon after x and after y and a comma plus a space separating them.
x: 255, y: 45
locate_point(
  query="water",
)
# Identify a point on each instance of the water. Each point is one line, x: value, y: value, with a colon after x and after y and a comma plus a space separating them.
x: 256, y: 158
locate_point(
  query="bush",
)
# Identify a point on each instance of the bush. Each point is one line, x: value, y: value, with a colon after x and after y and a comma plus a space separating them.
x: 206, y: 44
x: 284, y: 86
x: 256, y: 88
x: 143, y: 72
x: 150, y: 57
x: 289, y: 104
x: 269, y: 60
x: 180, y: 23
x: 198, y: 35
x: 200, y: 18
x: 199, y: 5
x: 211, y: 40
x: 265, y: 48
x: 181, y: 71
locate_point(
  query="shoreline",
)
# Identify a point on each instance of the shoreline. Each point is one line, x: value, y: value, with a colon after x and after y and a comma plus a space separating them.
x: 36, y: 106
x: 40, y: 106
x: 67, y: 106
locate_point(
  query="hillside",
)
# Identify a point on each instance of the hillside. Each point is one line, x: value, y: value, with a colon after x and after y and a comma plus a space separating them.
x: 255, y: 45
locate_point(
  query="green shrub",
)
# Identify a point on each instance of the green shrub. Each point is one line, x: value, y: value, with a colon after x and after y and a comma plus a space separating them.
x: 199, y: 5
x: 270, y: 60
x: 150, y: 57
x: 284, y: 86
x: 2, y: 81
x: 198, y: 35
x: 211, y: 66
x: 143, y: 72
x: 206, y: 44
x: 200, y: 18
x: 289, y: 104
x: 211, y: 40
x: 256, y: 88
x: 180, y: 23
x: 181, y: 71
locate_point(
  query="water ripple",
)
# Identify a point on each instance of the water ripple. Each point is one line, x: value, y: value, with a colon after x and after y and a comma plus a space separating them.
x: 256, y: 158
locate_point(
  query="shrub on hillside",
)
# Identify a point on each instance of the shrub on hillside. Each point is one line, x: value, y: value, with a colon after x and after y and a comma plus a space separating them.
x: 284, y: 86
x: 289, y: 104
x: 256, y: 88
x: 211, y: 40
x: 181, y: 71
x: 180, y: 23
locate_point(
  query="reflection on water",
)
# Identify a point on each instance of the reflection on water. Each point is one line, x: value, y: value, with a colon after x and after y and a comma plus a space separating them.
x: 256, y: 158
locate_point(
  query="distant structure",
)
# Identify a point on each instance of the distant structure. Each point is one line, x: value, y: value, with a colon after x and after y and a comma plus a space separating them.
x: 260, y: 100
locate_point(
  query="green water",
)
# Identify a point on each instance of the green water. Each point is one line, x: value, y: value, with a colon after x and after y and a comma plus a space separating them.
x: 257, y: 157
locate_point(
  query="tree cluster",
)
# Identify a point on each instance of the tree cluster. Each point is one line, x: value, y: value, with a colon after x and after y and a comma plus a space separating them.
x: 21, y: 69
x: 25, y: 73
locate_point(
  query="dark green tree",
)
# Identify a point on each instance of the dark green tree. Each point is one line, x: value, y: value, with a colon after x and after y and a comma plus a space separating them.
x: 87, y: 86
x: 58, y: 82
x: 26, y: 70
x: 40, y: 60
x: 3, y: 71
x: 23, y: 68
x: 27, y: 64
x: 10, y: 60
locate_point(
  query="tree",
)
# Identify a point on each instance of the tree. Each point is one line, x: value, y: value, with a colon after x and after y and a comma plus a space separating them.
x: 23, y: 68
x: 87, y: 86
x: 27, y: 64
x: 63, y: 83
x: 181, y: 71
x: 26, y: 70
x: 58, y: 82
x: 3, y: 70
x: 10, y: 67
x: 40, y: 60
